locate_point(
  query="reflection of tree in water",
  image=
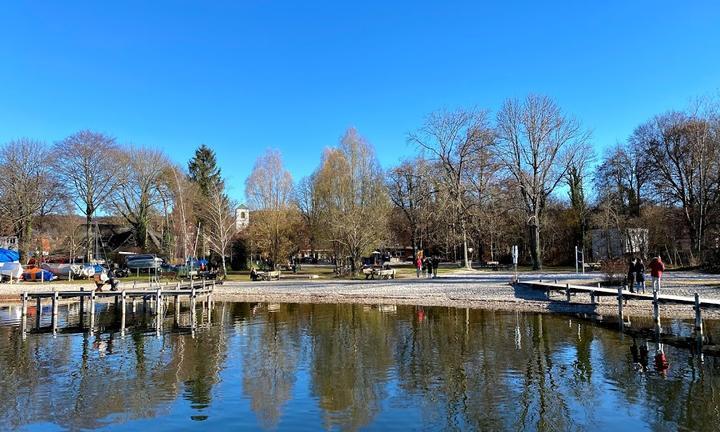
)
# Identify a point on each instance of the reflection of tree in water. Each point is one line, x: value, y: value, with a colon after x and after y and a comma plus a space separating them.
x: 351, y: 358
x: 88, y: 381
x: 198, y: 362
x: 270, y: 361
x: 460, y: 369
x: 485, y: 370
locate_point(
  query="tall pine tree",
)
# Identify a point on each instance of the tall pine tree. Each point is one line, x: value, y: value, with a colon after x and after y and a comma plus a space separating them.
x: 204, y: 171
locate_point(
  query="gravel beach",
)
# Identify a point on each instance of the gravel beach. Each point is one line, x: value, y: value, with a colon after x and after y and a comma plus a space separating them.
x: 473, y: 289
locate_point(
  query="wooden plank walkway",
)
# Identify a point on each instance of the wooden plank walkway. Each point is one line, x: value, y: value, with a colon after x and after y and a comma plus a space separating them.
x: 613, y: 292
x: 623, y: 296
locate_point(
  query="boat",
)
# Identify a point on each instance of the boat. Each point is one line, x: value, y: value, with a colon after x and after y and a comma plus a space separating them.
x: 13, y: 270
x: 9, y: 264
x: 65, y: 271
x: 36, y: 274
x: 143, y: 261
x: 9, y: 255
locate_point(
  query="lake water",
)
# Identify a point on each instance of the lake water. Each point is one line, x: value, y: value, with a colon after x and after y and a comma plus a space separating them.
x: 346, y: 367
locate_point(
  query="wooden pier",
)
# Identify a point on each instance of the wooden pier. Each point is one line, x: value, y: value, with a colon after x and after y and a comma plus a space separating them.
x: 622, y: 295
x: 154, y: 301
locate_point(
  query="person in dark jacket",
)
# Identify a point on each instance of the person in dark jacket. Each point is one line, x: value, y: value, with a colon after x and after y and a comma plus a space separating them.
x: 631, y: 275
x: 435, y: 264
x: 427, y: 267
x: 640, y: 275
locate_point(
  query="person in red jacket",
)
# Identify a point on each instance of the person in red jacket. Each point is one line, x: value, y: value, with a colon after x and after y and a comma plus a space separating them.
x: 656, y: 270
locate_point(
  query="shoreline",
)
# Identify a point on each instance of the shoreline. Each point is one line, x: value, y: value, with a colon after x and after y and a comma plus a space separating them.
x: 464, y: 289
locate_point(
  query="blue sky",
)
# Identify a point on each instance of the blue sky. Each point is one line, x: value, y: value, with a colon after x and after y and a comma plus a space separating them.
x: 242, y: 76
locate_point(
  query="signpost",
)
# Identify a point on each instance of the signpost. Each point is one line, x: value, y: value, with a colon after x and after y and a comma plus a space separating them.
x: 579, y: 260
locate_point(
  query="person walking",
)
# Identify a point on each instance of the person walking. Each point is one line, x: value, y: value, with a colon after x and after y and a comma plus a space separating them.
x: 640, y: 275
x: 631, y: 275
x: 657, y: 267
x: 435, y: 263
x: 427, y: 264
x: 418, y: 265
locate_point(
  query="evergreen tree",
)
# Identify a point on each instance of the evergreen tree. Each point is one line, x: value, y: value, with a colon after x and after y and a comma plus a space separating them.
x: 204, y: 171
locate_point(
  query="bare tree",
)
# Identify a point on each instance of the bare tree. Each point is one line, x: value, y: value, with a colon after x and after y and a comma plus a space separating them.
x: 184, y: 195
x: 684, y: 150
x: 307, y: 201
x: 28, y: 187
x: 353, y: 197
x: 623, y: 175
x: 455, y: 140
x: 410, y: 190
x: 269, y: 191
x: 220, y: 223
x: 537, y: 145
x: 143, y: 192
x: 85, y: 164
x: 576, y: 179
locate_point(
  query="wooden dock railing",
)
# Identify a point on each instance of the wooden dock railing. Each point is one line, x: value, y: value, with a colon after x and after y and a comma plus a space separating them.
x: 153, y: 301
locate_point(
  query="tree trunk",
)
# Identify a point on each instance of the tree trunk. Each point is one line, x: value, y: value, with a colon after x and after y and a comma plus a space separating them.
x: 88, y: 243
x: 468, y: 264
x: 535, y: 253
x: 24, y: 234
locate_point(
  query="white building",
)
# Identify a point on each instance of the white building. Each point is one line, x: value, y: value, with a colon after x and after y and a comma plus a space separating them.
x: 615, y: 243
x: 9, y: 242
x: 242, y: 217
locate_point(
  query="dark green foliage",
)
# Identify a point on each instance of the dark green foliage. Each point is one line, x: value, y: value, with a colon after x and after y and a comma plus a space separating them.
x: 204, y: 171
x: 240, y: 255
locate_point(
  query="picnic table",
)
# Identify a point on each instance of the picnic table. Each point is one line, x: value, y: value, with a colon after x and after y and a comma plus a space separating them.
x: 269, y: 275
x: 386, y: 272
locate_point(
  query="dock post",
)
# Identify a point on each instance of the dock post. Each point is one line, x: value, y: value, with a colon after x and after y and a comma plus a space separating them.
x: 656, y: 312
x: 134, y: 305
x: 82, y: 306
x: 55, y: 300
x: 122, y: 313
x: 38, y: 311
x: 158, y: 302
x: 24, y: 314
x: 24, y: 303
x: 567, y: 292
x: 92, y: 310
x: 698, y: 318
x: 176, y: 309
x: 620, y: 305
x: 193, y: 313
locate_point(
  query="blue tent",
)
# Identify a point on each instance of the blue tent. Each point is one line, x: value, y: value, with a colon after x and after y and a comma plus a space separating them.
x: 7, y: 255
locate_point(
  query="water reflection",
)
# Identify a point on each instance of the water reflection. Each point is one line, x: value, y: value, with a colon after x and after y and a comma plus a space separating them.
x: 352, y: 367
